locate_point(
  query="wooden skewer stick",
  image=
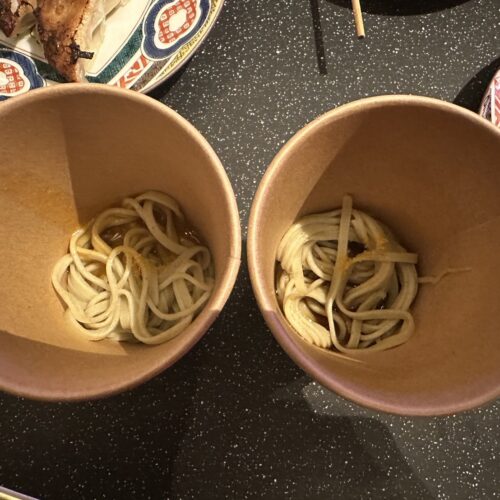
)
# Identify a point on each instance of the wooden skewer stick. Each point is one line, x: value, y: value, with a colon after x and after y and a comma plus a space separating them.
x: 358, y: 19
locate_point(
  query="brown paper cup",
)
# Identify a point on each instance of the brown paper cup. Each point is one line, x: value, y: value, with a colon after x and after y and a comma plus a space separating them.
x: 66, y: 153
x: 430, y: 171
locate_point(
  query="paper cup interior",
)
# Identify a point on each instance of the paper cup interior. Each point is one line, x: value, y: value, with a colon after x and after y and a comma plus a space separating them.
x: 429, y: 171
x: 66, y: 154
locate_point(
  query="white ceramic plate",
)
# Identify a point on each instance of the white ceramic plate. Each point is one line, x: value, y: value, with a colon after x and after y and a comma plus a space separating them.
x: 146, y: 42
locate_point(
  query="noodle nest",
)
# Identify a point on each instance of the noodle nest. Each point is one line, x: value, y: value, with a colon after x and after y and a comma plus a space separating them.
x: 344, y: 282
x: 131, y: 275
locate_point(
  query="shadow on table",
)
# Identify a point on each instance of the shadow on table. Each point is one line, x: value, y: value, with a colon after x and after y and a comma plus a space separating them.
x: 227, y: 421
x: 472, y: 93
x: 318, y: 37
x: 401, y: 7
x: 120, y: 447
x: 379, y: 7
x: 167, y: 85
x: 285, y: 450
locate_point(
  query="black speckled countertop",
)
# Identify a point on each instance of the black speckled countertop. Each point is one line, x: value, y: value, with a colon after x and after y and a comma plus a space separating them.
x: 236, y: 418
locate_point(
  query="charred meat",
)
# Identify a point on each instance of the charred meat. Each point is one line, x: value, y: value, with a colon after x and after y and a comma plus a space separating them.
x: 17, y: 16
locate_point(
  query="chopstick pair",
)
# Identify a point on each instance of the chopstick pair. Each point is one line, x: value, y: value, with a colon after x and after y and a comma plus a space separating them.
x: 358, y: 18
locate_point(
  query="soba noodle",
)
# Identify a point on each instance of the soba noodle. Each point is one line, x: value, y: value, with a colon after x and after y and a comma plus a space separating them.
x: 344, y: 282
x: 131, y: 275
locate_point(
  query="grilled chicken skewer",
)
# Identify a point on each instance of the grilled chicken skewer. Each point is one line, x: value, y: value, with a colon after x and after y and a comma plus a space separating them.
x: 65, y: 29
x: 71, y: 32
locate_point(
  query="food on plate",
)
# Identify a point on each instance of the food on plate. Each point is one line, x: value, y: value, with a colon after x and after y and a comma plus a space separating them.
x: 17, y: 16
x: 70, y: 32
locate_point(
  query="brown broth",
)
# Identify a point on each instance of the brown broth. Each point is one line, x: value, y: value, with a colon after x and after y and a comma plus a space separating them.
x: 187, y: 234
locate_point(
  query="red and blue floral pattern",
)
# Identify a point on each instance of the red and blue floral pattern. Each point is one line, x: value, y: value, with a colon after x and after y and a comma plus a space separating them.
x: 171, y: 23
x: 18, y: 74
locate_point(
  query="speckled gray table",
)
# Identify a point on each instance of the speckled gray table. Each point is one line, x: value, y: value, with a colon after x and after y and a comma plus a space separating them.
x: 235, y: 418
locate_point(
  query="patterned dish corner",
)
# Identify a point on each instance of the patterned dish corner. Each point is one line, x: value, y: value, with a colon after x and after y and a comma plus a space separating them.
x: 145, y: 43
